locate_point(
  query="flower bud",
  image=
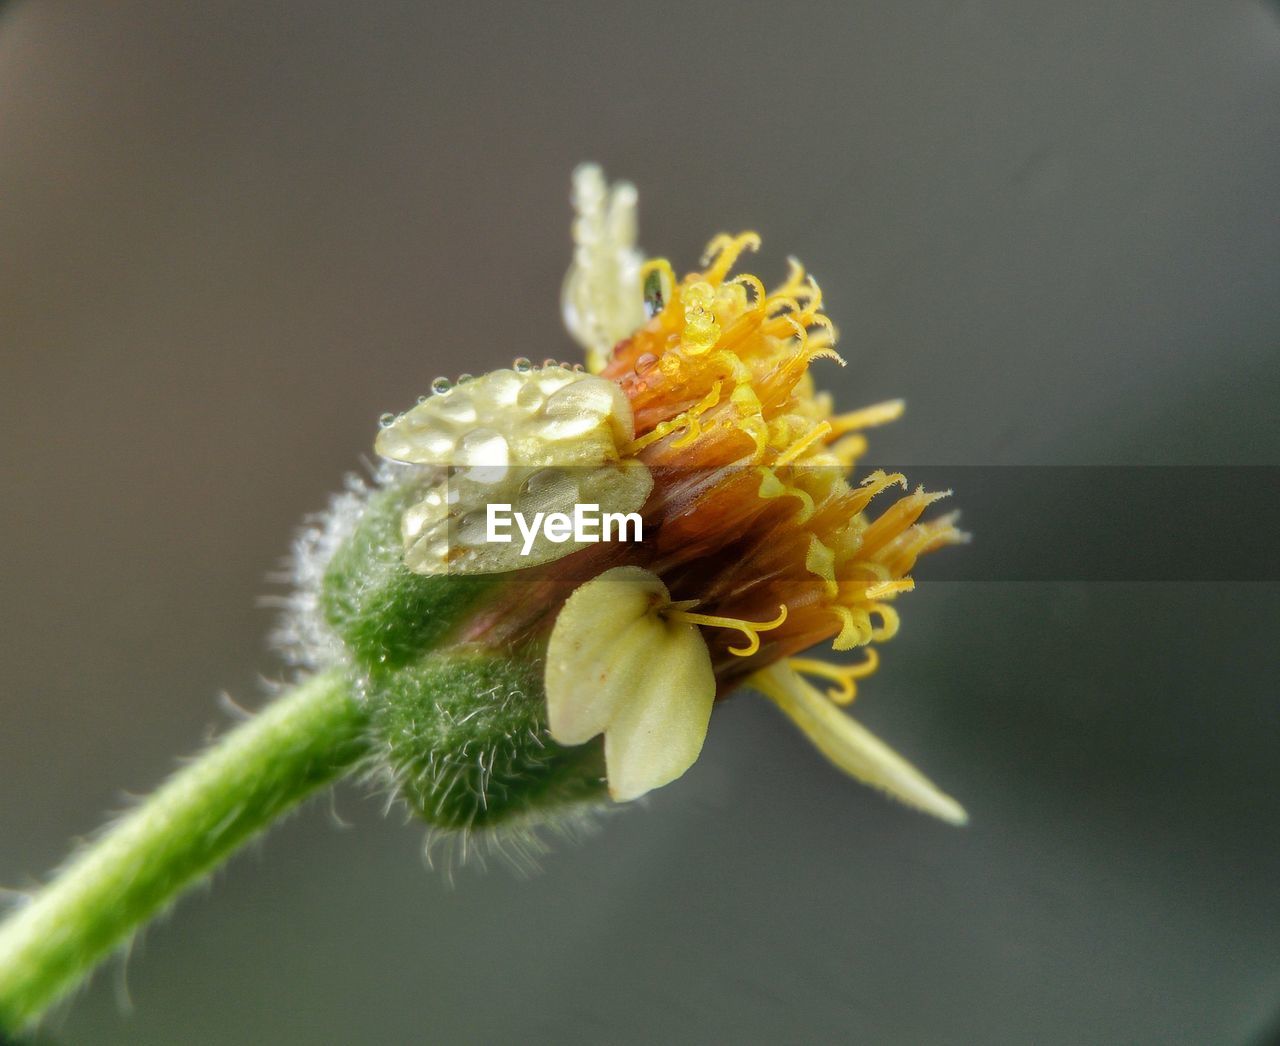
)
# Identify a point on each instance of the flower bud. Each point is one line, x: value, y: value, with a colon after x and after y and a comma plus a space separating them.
x: 386, y: 615
x: 459, y: 723
x: 463, y: 739
x: 492, y: 670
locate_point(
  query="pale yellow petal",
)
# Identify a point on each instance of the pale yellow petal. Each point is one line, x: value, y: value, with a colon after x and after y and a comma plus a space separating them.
x: 616, y: 666
x: 536, y: 440
x: 597, y: 636
x: 852, y: 747
x: 657, y: 734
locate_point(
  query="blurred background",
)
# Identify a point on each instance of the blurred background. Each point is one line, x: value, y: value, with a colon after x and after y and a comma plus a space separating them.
x: 233, y: 234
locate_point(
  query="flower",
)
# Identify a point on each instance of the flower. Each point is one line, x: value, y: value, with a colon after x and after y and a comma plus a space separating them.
x: 701, y: 413
x: 473, y: 676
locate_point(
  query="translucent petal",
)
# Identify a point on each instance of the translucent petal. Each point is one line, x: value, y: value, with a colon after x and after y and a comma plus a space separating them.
x: 538, y: 440
x: 852, y: 747
x: 616, y: 666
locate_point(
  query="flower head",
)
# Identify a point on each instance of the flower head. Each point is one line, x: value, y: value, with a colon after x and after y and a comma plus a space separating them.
x: 701, y: 413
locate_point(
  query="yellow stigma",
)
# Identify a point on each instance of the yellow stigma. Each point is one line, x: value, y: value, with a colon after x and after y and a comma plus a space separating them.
x: 750, y: 629
x: 844, y: 676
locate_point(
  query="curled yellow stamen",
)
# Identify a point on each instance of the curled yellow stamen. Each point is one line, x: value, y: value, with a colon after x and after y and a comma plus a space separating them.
x: 723, y: 251
x: 756, y: 428
x: 780, y: 305
x: 821, y: 560
x: 844, y: 676
x: 759, y: 294
x: 772, y: 487
x: 693, y: 416
x: 888, y: 622
x: 733, y: 368
x: 795, y: 280
x: 750, y: 629
x: 785, y: 325
x: 825, y: 352
x: 810, y: 286
x: 823, y: 331
x: 688, y: 420
x: 855, y: 628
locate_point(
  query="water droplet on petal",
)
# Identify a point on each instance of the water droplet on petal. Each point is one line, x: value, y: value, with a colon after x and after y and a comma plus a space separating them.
x: 386, y: 421
x: 472, y: 528
x: 530, y: 397
x: 548, y: 362
x: 548, y: 490
x: 483, y: 446
x: 458, y: 409
x: 522, y: 365
x: 464, y: 378
x: 578, y: 368
x: 440, y: 386
x: 645, y: 362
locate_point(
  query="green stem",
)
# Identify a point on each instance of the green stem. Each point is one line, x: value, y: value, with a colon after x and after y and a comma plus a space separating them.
x: 303, y: 740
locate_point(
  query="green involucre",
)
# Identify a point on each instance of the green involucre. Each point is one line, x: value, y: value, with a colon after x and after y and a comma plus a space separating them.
x: 464, y: 736
x: 386, y: 615
x: 462, y: 732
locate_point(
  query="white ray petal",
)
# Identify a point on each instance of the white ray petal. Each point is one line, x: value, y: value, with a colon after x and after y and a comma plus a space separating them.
x: 852, y: 747
x: 602, y: 300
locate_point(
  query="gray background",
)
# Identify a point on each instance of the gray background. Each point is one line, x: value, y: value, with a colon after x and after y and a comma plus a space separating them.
x: 234, y: 234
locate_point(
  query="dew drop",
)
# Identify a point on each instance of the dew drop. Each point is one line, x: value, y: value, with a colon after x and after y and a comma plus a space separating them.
x: 549, y: 490
x: 459, y: 409
x: 522, y: 365
x: 440, y: 386
x: 655, y: 293
x: 548, y: 362
x: 464, y: 378
x: 386, y: 421
x: 645, y: 363
x: 530, y: 397
x: 578, y: 368
x: 483, y: 447
x: 472, y: 528
x: 422, y: 400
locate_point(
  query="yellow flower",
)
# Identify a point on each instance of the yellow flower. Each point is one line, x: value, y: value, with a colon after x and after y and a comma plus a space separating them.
x: 701, y: 408
x: 754, y: 523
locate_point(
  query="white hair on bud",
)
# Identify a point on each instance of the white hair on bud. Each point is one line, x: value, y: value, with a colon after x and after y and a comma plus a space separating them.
x: 302, y: 636
x: 519, y: 844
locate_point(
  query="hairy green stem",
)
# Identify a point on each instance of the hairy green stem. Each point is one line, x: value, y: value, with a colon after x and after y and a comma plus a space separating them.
x: 301, y: 741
